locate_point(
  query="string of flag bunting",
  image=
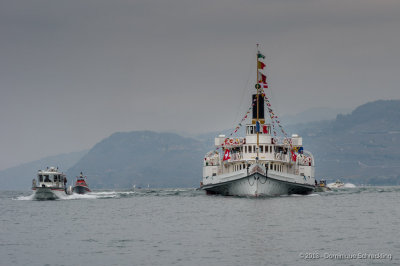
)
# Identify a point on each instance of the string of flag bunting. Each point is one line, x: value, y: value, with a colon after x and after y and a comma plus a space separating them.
x: 276, y: 123
x: 242, y: 120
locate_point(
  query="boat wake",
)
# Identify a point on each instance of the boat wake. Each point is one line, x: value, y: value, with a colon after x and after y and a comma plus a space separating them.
x: 346, y: 185
x: 122, y: 194
x: 30, y: 197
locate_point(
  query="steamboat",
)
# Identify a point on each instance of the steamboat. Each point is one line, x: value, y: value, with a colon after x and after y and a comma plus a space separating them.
x: 266, y: 161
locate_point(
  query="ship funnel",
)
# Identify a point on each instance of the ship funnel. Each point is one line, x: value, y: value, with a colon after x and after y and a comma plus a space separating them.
x: 260, y: 108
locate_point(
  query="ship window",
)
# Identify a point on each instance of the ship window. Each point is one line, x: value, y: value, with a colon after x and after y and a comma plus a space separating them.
x: 245, y: 149
x: 251, y: 130
x: 46, y: 178
x: 261, y: 148
x: 55, y: 178
x: 249, y: 149
x: 254, y: 148
x: 40, y: 178
x: 270, y: 166
x: 270, y: 149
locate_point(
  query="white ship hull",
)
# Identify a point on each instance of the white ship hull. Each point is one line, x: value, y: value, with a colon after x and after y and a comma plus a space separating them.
x: 258, y: 184
x: 48, y: 193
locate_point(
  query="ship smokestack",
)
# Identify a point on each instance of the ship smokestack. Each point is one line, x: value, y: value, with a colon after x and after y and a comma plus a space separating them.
x: 260, y: 108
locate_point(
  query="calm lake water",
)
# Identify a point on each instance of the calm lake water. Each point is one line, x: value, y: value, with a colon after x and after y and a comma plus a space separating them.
x: 354, y: 226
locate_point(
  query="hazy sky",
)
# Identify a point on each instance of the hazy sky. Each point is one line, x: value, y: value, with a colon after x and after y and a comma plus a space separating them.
x: 73, y: 72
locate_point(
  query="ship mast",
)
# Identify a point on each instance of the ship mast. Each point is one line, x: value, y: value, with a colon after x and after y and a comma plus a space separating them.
x: 258, y: 118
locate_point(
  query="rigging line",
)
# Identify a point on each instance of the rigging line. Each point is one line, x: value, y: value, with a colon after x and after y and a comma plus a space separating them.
x: 244, y: 90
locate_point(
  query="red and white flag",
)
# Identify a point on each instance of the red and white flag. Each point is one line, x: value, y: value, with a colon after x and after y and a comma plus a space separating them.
x: 227, y: 155
x: 294, y: 156
x: 265, y: 129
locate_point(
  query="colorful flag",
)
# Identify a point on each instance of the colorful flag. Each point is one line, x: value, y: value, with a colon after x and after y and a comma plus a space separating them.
x: 259, y: 55
x: 263, y: 78
x: 258, y: 126
x: 294, y: 157
x: 260, y: 65
x: 227, y: 155
x: 265, y: 129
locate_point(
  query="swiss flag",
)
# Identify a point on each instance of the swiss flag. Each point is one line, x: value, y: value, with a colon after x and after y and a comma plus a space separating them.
x: 294, y: 156
x: 227, y: 155
x: 265, y: 129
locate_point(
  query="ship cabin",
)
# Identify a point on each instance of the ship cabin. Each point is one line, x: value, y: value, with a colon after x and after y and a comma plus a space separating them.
x: 284, y: 156
x: 274, y: 154
x: 50, y: 177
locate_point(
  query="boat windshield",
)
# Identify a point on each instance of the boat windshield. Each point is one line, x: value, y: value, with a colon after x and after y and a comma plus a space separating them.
x: 46, y: 178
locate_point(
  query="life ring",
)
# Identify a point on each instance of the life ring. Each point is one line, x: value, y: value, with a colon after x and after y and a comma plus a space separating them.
x: 231, y: 141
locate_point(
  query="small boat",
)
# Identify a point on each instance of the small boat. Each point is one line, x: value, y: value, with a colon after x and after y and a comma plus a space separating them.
x: 321, y: 186
x: 81, y: 186
x: 50, y: 184
x: 337, y: 184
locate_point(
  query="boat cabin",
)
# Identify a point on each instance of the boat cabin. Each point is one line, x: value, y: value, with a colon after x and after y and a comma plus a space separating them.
x: 51, y: 177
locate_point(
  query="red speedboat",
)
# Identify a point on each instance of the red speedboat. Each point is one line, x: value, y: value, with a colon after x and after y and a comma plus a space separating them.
x: 81, y: 186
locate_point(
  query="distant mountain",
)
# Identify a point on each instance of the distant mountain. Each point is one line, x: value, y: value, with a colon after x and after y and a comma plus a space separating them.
x: 314, y: 115
x: 20, y: 177
x: 361, y: 147
x: 143, y: 158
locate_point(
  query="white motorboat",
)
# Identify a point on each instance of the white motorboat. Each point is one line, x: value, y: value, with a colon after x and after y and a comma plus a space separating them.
x: 50, y: 185
x: 337, y: 184
x: 262, y: 163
